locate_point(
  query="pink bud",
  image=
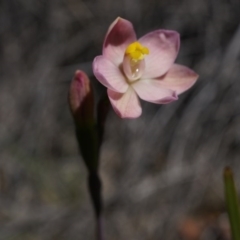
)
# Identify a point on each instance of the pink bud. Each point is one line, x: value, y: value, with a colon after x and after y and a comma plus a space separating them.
x: 81, y: 101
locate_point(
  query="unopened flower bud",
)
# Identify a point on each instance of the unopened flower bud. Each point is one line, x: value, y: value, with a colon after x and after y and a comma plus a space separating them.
x: 81, y: 104
x: 81, y: 100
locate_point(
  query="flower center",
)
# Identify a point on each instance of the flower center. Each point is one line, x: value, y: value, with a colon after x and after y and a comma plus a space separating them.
x: 133, y: 63
x: 136, y: 51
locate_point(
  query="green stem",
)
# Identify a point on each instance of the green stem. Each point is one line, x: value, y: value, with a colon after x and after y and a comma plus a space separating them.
x: 95, y: 187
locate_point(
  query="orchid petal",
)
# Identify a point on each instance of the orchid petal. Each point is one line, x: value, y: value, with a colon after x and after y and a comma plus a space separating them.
x: 109, y: 75
x: 120, y: 34
x: 153, y: 91
x: 179, y: 78
x: 126, y: 105
x: 163, y: 48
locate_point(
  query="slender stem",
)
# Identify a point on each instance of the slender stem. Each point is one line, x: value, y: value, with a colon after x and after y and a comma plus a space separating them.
x: 99, y: 230
x: 94, y: 185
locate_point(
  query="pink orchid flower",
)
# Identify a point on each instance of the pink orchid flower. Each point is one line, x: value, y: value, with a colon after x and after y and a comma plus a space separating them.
x: 143, y: 68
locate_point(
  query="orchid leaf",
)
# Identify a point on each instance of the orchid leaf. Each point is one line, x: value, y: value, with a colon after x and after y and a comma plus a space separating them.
x: 232, y: 203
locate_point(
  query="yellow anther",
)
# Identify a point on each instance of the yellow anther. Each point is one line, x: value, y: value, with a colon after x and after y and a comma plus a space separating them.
x: 136, y: 51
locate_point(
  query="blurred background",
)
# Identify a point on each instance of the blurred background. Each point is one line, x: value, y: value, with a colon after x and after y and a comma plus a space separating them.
x: 162, y: 173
